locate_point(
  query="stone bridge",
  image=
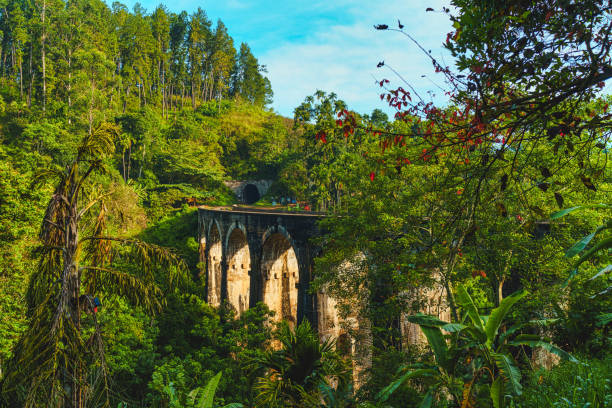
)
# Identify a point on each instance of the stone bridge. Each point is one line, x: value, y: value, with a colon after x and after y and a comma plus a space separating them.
x: 264, y: 255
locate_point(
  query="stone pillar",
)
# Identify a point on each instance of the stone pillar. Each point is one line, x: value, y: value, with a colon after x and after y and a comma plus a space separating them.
x: 255, y: 272
x: 213, y: 256
x: 306, y: 303
x: 328, y: 321
x: 433, y: 302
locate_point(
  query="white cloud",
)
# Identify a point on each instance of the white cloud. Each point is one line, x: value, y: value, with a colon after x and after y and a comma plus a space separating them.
x: 342, y: 58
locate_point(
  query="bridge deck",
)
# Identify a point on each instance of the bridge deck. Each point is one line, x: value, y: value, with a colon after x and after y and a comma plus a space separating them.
x: 245, y: 209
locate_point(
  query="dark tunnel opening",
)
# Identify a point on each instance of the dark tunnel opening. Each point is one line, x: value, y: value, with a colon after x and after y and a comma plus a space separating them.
x: 250, y: 194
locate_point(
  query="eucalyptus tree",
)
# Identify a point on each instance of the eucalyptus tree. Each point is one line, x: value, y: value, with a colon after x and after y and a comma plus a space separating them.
x: 199, y: 35
x: 160, y: 24
x: 59, y: 360
x: 178, y: 54
x: 221, y: 58
x: 248, y: 81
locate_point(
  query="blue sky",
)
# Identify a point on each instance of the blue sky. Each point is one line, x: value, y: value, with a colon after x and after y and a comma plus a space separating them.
x: 332, y: 45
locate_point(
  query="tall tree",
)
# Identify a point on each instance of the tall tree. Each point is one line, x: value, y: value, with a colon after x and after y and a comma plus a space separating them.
x: 161, y: 32
x: 178, y: 53
x: 248, y: 82
x: 199, y: 37
x: 221, y: 61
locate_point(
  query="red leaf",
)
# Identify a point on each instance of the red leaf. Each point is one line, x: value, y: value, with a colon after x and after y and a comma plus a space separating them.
x: 476, y: 68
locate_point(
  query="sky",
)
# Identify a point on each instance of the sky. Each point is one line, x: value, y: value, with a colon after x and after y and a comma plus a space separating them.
x: 332, y: 45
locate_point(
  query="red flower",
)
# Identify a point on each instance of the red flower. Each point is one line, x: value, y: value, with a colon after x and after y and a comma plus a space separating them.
x: 372, y: 174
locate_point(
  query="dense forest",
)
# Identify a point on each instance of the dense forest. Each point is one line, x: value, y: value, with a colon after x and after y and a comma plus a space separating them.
x: 481, y: 226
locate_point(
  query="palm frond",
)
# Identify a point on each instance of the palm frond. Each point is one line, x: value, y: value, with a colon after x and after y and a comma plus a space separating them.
x: 100, y: 142
x: 140, y: 292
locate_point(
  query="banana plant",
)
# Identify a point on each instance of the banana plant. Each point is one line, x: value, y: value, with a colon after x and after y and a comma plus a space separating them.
x: 579, y: 248
x: 478, y: 341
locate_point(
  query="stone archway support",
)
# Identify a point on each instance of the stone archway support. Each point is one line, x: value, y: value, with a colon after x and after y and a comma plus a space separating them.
x: 246, y: 255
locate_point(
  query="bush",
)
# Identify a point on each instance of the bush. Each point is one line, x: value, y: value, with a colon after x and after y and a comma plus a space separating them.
x: 587, y: 384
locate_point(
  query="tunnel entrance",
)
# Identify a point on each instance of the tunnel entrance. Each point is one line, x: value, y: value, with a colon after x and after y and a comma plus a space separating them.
x: 238, y: 267
x: 280, y: 272
x: 250, y: 194
x: 214, y: 267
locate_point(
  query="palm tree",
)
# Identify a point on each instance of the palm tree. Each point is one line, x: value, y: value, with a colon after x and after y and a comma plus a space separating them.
x: 59, y: 360
x: 296, y: 372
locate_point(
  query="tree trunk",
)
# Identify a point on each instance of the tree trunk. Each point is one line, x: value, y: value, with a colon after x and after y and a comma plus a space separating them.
x: 171, y: 95
x: 163, y: 95
x: 144, y: 149
x: 71, y: 280
x: 3, y: 47
x: 123, y: 165
x: 127, y: 93
x: 31, y: 78
x: 13, y: 62
x: 212, y: 85
x: 43, y: 38
x: 21, y: 81
x: 91, y: 106
x: 69, y: 86
x: 129, y: 161
x: 193, y: 95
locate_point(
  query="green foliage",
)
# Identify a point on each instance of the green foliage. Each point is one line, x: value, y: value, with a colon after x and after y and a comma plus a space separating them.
x: 604, y: 244
x: 580, y: 326
x: 78, y: 263
x: 570, y: 385
x: 294, y: 372
x: 186, y: 111
x: 20, y: 212
x: 489, y: 363
x: 129, y: 336
x: 195, y: 342
x: 176, y: 231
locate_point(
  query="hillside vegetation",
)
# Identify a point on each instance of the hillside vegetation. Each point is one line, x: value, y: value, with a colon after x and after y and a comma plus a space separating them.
x: 491, y: 212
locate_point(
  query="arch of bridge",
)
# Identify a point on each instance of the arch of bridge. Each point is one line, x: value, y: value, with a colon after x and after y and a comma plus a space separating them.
x: 280, y: 276
x: 254, y: 255
x: 238, y: 260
